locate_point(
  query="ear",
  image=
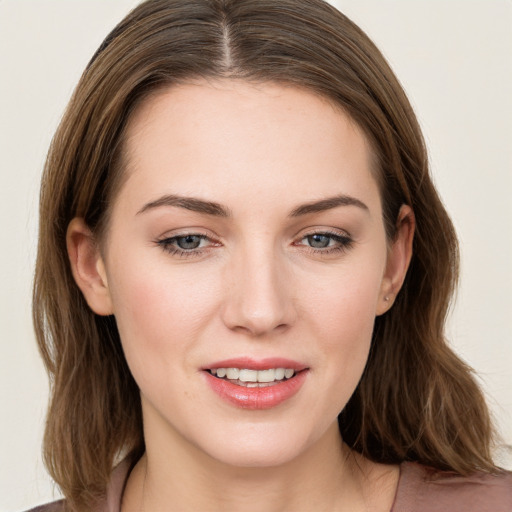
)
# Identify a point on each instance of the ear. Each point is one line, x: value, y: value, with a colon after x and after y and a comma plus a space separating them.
x: 399, y: 257
x: 87, y: 267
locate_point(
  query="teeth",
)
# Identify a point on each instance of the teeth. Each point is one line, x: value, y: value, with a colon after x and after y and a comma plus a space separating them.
x: 253, y: 377
x: 266, y: 375
x: 232, y: 373
x: 280, y: 373
x: 248, y: 375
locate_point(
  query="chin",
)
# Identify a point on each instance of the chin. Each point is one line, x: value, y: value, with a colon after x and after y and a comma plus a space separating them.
x: 258, y: 446
x: 256, y: 456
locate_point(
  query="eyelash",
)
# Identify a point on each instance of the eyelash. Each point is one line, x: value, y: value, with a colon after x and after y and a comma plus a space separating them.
x: 168, y: 245
x: 343, y: 244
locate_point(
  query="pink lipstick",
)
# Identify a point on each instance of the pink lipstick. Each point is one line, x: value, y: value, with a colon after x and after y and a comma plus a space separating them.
x: 256, y: 384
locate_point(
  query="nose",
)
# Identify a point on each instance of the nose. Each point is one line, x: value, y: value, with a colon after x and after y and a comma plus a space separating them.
x: 259, y: 299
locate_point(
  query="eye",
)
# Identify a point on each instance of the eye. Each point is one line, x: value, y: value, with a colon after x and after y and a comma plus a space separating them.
x: 319, y: 240
x: 190, y: 244
x: 326, y: 242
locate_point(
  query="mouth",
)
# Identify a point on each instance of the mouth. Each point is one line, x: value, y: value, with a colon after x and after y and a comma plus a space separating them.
x: 249, y: 384
x: 253, y: 378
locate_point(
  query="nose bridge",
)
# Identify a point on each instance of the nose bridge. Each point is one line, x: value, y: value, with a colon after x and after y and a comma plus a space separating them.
x: 258, y: 300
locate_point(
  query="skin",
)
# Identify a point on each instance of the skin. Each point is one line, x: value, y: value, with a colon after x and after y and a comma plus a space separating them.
x: 254, y: 287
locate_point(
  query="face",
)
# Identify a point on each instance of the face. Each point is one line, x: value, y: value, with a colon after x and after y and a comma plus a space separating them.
x: 245, y: 262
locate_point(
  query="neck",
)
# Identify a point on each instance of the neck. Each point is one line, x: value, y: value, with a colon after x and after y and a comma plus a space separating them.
x: 327, y: 476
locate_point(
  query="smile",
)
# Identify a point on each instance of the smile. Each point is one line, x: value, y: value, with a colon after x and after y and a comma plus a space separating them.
x: 253, y: 378
x: 249, y: 384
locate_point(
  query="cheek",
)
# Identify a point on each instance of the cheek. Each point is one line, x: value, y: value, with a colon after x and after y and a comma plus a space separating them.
x: 341, y: 309
x: 347, y: 296
x: 159, y: 310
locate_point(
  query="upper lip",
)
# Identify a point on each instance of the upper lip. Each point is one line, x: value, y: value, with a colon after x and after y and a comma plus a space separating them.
x: 257, y: 364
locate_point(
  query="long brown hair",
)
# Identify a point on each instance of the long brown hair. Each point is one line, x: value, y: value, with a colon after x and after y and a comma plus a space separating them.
x: 416, y: 400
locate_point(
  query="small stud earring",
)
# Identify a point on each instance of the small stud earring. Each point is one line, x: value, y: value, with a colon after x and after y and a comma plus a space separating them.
x: 386, y: 298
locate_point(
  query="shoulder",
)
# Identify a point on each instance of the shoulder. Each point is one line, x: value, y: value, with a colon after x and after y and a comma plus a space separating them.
x: 423, y: 489
x: 110, y: 502
x: 55, y: 506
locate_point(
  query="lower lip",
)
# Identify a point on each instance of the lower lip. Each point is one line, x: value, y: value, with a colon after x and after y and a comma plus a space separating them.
x: 256, y: 398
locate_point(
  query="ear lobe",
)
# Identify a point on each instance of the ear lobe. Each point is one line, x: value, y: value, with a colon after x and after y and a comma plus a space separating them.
x: 399, y: 258
x: 87, y: 267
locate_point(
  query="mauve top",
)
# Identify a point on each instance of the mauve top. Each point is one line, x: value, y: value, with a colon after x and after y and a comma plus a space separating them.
x: 420, y: 489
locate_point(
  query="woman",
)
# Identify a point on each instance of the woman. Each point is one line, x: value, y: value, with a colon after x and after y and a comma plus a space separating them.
x: 243, y: 276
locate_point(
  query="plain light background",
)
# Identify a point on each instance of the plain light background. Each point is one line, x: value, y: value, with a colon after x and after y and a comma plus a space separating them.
x: 454, y: 58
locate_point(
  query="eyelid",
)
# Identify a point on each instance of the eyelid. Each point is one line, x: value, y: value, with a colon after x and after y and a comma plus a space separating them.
x: 321, y: 230
x: 344, y: 241
x: 189, y: 231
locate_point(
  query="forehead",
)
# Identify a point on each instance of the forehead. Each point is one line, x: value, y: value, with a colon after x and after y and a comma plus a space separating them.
x: 238, y: 104
x: 196, y: 138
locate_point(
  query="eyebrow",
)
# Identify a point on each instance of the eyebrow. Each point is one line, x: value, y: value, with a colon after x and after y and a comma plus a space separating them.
x: 328, y: 204
x: 211, y: 208
x: 188, y: 203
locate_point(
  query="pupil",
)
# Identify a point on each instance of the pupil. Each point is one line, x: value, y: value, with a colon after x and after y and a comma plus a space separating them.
x: 318, y: 241
x: 189, y: 242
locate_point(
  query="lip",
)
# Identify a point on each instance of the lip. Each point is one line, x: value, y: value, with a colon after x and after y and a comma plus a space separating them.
x: 257, y: 364
x: 257, y: 398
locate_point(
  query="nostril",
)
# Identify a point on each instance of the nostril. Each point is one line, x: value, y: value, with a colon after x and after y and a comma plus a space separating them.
x: 258, y: 301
